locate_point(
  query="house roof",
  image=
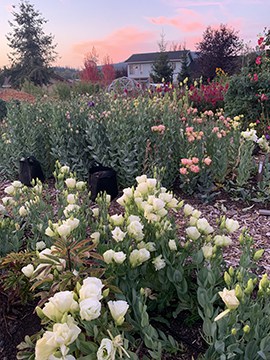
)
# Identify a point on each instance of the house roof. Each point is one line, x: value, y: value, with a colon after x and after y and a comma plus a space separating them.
x: 151, y: 57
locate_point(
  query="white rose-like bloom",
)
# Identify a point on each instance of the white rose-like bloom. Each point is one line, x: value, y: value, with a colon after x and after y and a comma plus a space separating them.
x: 172, y: 245
x: 60, y: 304
x: 46, y: 346
x: 207, y: 251
x: 141, y: 179
x: 118, y: 310
x: 193, y: 233
x: 137, y: 257
x: 117, y: 234
x: 150, y: 246
x: 127, y: 194
x: 135, y: 229
x: 204, y: 227
x: 250, y: 135
x: 43, y: 254
x: 28, y: 270
x: 142, y: 188
x: 91, y: 289
x: 133, y: 218
x: 71, y: 183
x: 40, y: 245
x: 117, y: 220
x: 10, y: 190
x: 231, y: 225
x: 70, y: 208
x: 49, y: 232
x: 64, y: 169
x: 166, y: 197
x: 158, y: 204
x: 80, y: 185
x: 95, y: 212
x: 159, y: 262
x: 108, y: 256
x: 222, y: 240
x: 95, y: 236
x: 106, y: 350
x: 22, y: 211
x: 66, y: 333
x: 151, y: 183
x: 71, y: 198
x: 193, y: 221
x: 17, y: 184
x: 72, y: 222
x: 8, y: 200
x: 229, y: 298
x: 188, y: 209
x: 119, y: 257
x: 90, y: 309
x: 196, y: 213
x: 63, y: 230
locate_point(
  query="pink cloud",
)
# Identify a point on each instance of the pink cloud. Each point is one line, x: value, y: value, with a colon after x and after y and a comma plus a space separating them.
x: 119, y: 45
x: 187, y: 20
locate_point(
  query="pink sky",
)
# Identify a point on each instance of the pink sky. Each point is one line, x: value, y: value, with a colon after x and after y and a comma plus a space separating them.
x: 120, y: 28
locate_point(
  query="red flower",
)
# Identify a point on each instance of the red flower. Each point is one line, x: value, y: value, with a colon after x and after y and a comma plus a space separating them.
x: 260, y: 40
x: 259, y: 60
x: 255, y: 77
x: 264, y: 97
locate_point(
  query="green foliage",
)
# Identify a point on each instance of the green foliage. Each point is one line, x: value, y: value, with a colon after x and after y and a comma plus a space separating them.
x: 32, y: 50
x: 162, y: 70
x: 3, y: 109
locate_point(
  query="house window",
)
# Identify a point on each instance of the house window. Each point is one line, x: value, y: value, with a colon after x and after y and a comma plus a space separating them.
x: 135, y: 69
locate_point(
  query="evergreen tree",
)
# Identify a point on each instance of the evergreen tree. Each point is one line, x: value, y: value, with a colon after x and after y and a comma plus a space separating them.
x: 162, y: 69
x: 184, y: 73
x: 33, y: 50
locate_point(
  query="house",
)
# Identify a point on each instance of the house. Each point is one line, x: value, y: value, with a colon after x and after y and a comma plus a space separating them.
x: 139, y: 66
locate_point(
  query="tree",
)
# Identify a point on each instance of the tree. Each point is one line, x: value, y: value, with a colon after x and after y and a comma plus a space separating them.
x: 33, y: 50
x: 218, y: 49
x: 90, y: 71
x: 162, y: 69
x: 184, y: 73
x: 108, y: 71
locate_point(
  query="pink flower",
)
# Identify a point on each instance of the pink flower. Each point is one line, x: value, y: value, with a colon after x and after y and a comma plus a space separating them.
x: 184, y: 161
x: 258, y: 60
x: 189, y: 129
x: 189, y: 162
x: 194, y: 168
x: 260, y: 41
x: 183, y: 171
x: 264, y: 97
x: 207, y: 161
x: 195, y: 160
x: 191, y: 138
x: 255, y: 77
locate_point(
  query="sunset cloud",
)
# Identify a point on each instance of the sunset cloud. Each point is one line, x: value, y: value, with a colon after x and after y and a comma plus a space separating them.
x: 119, y: 45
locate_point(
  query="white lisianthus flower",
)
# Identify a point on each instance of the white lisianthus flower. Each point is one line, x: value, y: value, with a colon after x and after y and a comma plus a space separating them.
x: 64, y: 169
x: 49, y: 232
x: 95, y: 212
x: 90, y: 309
x: 118, y: 310
x: 117, y: 220
x: 10, y: 190
x: 193, y: 233
x: 108, y: 256
x: 60, y: 304
x: 231, y: 225
x: 158, y: 204
x: 135, y: 229
x: 71, y: 183
x: 80, y: 185
x: 28, y: 270
x: 40, y: 245
x: 127, y: 194
x: 150, y: 246
x: 8, y: 200
x: 133, y: 218
x: 22, y: 211
x: 2, y: 209
x: 196, y: 213
x: 141, y: 179
x: 66, y: 333
x: 166, y: 197
x: 137, y: 257
x: 204, y: 227
x: 229, y: 298
x: 142, y: 188
x: 250, y: 135
x: 222, y: 240
x: 106, y: 350
x: 38, y: 188
x: 72, y: 222
x: 188, y: 209
x: 95, y: 236
x: 193, y: 221
x: 70, y: 208
x: 117, y: 234
x: 151, y: 183
x: 119, y: 257
x: 172, y: 245
x: 17, y: 184
x: 159, y: 263
x: 46, y: 346
x: 63, y: 230
x: 173, y: 204
x: 71, y: 198
x: 207, y: 251
x: 91, y: 289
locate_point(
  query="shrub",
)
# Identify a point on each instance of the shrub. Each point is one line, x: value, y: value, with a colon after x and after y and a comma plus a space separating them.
x: 3, y: 109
